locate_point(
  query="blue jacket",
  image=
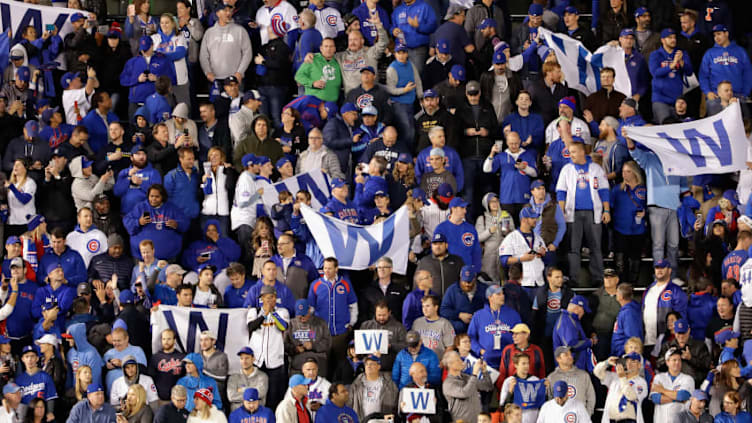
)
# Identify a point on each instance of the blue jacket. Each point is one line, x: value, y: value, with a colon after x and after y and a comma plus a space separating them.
x: 182, y: 191
x: 65, y: 295
x: 420, y: 36
x: 366, y: 27
x: 193, y: 384
x: 221, y: 253
x: 285, y: 299
x: 331, y: 302
x: 129, y: 194
x: 486, y: 325
x: 98, y: 129
x: 729, y: 63
x: 309, y: 42
x: 82, y: 412
x: 412, y: 307
x: 663, y: 191
x: 628, y: 324
x: 668, y: 83
x: 331, y: 413
x: 514, y: 184
x: 365, y: 192
x: 463, y: 241
x: 84, y: 353
x: 559, y: 155
x: 338, y: 138
x: 733, y: 261
x: 235, y: 297
x: 21, y: 321
x: 135, y: 66
x: 671, y: 299
x: 167, y: 241
x: 700, y: 309
x: 342, y: 211
x: 403, y: 361
x: 625, y: 203
x: 741, y: 417
x: 639, y: 74
x: 71, y: 262
x: 157, y: 108
x: 568, y: 331
x: 530, y: 125
x: 454, y: 165
x: 455, y: 302
x: 262, y: 415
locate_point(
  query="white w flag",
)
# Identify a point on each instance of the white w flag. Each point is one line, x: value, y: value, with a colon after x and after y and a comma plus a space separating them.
x: 357, y: 247
x: 228, y: 324
x: 581, y: 68
x: 17, y: 15
x: 716, y: 144
x: 316, y: 182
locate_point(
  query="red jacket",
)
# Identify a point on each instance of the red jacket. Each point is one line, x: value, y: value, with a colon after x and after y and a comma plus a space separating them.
x: 506, y: 367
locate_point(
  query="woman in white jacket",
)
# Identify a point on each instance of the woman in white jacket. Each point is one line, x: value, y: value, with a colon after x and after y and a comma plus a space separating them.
x: 174, y: 46
x: 21, y: 191
x: 203, y: 410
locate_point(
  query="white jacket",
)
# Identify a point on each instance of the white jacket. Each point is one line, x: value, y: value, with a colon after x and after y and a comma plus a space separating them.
x: 669, y: 412
x: 215, y: 416
x: 176, y: 40
x: 216, y: 203
x: 120, y: 387
x: 579, y: 129
x: 568, y: 182
x: 286, y: 410
x: 635, y: 389
x: 515, y: 245
x: 88, y: 244
x: 318, y: 391
x: 243, y: 210
x: 573, y: 411
x: 268, y: 339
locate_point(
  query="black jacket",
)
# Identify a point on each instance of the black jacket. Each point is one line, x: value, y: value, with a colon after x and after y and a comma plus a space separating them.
x: 477, y: 146
x: 169, y: 414
x: 424, y: 122
x: 103, y: 266
x: 277, y: 62
x: 54, y: 198
x: 377, y: 97
x: 372, y: 294
x: 610, y: 25
x: 101, y: 164
x: 546, y: 103
x: 138, y: 327
x: 164, y: 159
x: 586, y: 37
x: 435, y: 72
x: 109, y: 65
x: 488, y: 79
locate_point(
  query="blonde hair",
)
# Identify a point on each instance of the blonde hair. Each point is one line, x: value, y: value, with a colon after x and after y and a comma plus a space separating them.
x: 173, y: 20
x: 635, y: 168
x: 129, y: 410
x: 202, y: 414
x: 634, y: 342
x: 13, y: 180
x: 80, y: 390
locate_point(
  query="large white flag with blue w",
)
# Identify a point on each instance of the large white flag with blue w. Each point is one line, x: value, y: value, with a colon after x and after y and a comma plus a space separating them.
x: 316, y: 182
x: 581, y: 68
x: 357, y: 247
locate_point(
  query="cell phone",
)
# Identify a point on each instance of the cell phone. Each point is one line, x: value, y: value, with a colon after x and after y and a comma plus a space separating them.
x: 518, y: 161
x: 147, y: 72
x: 49, y: 27
x: 109, y: 168
x: 205, y: 254
x: 146, y: 215
x: 185, y: 131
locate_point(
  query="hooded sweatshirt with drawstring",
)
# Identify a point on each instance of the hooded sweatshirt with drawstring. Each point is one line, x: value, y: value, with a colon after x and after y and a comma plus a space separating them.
x: 120, y: 386
x: 84, y: 354
x: 504, y: 224
x: 193, y: 383
x: 220, y: 253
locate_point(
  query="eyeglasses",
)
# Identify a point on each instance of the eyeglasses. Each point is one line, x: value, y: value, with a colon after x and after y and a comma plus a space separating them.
x: 315, y: 138
x: 473, y: 93
x: 383, y: 267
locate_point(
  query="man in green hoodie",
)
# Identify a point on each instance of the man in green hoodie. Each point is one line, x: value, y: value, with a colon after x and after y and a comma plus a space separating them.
x: 321, y: 78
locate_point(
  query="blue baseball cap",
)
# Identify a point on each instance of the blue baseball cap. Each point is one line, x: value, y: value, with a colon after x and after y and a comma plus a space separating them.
x: 681, y: 326
x: 429, y: 94
x: 720, y: 28
x: 68, y: 77
x: 32, y: 128
x: 499, y: 58
x: 667, y: 32
x: 457, y: 202
x: 633, y: 356
x: 699, y: 394
x: 281, y: 162
x: 262, y: 160
x: 445, y: 191
x: 405, y: 158
x: 419, y: 194
x: 535, y: 10
x: 641, y: 11
x: 487, y: 23
x: 126, y: 297
x: 400, y: 47
x: 442, y: 46
x: 348, y: 107
x: 528, y: 213
x: 661, y: 264
x: 467, y: 273
x: 299, y: 380
x: 536, y: 183
x: 301, y: 307
x: 245, y: 350
x: 338, y: 183
x: 4, y: 340
x: 250, y: 394
x: 86, y: 163
x: 145, y: 43
x: 12, y: 240
x: 560, y: 389
x: 725, y: 334
x: 248, y: 159
x: 493, y: 289
x: 580, y: 301
x: 458, y: 72
x: 251, y: 95
x: 23, y: 73
x: 627, y: 32
x: 52, y: 266
x: 438, y: 237
x: 77, y: 16
x: 571, y: 9
x: 94, y: 387
x: 368, y: 69
x: 28, y: 349
x: 11, y: 388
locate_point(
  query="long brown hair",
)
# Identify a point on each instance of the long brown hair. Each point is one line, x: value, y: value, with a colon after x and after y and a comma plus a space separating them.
x: 725, y: 378
x: 407, y: 177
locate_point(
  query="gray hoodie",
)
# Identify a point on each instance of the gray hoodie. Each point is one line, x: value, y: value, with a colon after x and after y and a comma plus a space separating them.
x: 504, y: 224
x: 258, y: 379
x: 225, y: 50
x: 351, y: 63
x: 85, y: 188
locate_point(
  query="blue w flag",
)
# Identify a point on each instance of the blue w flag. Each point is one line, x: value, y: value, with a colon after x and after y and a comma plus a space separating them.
x: 4, y: 51
x: 529, y: 394
x: 581, y: 68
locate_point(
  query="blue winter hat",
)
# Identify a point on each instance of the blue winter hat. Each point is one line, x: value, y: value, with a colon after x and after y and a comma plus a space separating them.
x: 249, y: 158
x: 493, y: 289
x: 499, y: 58
x: 580, y: 301
x: 301, y: 307
x: 528, y: 213
x: 535, y: 10
x: 338, y: 183
x: 560, y: 389
x: 23, y: 73
x: 442, y: 46
x: 145, y: 43
x: 640, y: 11
x: 568, y: 101
x: 681, y: 326
x: 667, y: 33
x: 732, y: 197
x: 457, y: 202
x: 348, y: 107
x: 34, y: 222
x: 281, y: 162
x: 94, y: 387
x: 487, y: 23
x: 262, y: 160
x: 466, y: 273
x: 120, y: 324
x: 250, y: 394
x: 458, y: 72
x: 299, y: 380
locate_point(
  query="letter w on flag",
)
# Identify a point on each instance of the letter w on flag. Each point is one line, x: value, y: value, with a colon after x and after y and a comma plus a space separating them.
x: 529, y: 394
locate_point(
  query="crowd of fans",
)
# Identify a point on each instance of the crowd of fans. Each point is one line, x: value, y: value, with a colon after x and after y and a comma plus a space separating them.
x: 137, y: 159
